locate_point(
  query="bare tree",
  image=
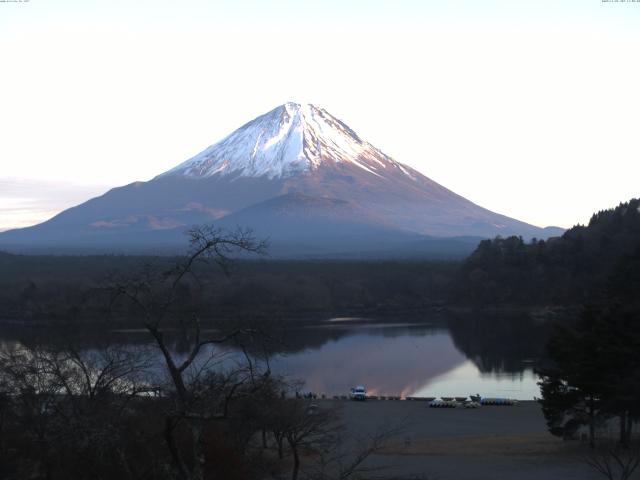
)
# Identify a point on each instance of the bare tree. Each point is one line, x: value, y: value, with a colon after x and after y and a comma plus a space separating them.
x: 305, y: 426
x: 315, y: 432
x: 70, y: 408
x: 200, y: 394
x: 346, y: 455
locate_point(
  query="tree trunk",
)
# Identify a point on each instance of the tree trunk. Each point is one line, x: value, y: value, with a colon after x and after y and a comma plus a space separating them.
x: 623, y: 429
x: 198, y: 450
x: 592, y: 427
x: 173, y: 450
x: 125, y: 464
x: 626, y: 426
x: 264, y: 438
x: 296, y: 463
x: 279, y: 441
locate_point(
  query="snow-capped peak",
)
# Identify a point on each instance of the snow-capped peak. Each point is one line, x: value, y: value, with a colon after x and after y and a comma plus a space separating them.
x: 290, y: 139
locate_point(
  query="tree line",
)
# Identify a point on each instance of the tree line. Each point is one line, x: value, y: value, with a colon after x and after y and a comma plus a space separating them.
x: 69, y: 290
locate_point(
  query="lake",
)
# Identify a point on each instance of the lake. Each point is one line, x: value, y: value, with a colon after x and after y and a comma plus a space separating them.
x: 494, y: 357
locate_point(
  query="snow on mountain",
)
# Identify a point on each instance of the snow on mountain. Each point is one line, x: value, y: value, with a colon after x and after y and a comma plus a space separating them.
x: 290, y: 139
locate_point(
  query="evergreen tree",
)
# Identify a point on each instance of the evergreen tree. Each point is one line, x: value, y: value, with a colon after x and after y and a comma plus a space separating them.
x: 596, y: 371
x: 571, y: 389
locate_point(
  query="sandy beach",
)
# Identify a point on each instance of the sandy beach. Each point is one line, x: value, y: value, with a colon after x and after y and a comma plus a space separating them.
x: 491, y: 442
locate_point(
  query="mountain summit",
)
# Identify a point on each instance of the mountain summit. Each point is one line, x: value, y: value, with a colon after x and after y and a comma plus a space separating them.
x: 296, y: 174
x: 289, y: 140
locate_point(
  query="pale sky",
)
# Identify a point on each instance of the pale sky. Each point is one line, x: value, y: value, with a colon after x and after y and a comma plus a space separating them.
x: 528, y: 108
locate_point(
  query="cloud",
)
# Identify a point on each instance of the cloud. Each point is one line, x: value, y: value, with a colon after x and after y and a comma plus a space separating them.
x: 28, y: 202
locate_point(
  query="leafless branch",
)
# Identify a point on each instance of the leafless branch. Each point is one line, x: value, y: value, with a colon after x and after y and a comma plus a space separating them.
x: 613, y: 461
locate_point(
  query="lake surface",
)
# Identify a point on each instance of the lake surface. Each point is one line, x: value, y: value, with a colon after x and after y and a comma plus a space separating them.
x: 489, y: 356
x: 405, y: 360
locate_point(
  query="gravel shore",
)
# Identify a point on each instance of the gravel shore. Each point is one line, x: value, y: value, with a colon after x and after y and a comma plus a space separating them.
x: 491, y: 442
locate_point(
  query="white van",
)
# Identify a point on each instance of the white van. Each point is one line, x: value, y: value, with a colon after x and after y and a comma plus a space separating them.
x: 358, y: 393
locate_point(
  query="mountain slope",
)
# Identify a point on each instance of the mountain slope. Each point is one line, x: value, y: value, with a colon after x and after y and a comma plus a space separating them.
x: 299, y: 167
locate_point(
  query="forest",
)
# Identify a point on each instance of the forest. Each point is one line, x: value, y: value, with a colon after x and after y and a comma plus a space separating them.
x: 54, y: 290
x: 567, y: 270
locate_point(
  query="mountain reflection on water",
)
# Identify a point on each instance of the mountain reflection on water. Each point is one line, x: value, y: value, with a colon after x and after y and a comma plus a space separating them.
x: 493, y: 356
x: 420, y: 360
x: 388, y: 360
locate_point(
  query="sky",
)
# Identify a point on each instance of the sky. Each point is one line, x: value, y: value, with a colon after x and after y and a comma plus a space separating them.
x: 528, y: 108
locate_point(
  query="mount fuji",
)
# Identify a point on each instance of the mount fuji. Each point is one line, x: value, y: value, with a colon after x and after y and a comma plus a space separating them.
x: 297, y: 175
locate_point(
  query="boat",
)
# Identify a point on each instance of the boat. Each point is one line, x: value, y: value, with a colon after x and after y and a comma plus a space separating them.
x: 499, y: 401
x: 443, y: 404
